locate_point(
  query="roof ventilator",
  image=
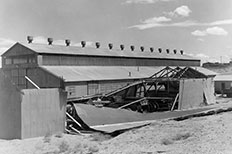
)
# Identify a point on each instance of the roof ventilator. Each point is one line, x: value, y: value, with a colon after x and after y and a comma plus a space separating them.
x: 29, y: 39
x: 142, y: 48
x: 181, y: 52
x: 67, y: 42
x: 151, y: 49
x: 132, y: 48
x: 160, y: 50
x: 167, y: 50
x: 110, y: 46
x: 50, y: 40
x: 83, y: 44
x: 122, y: 47
x: 97, y: 45
x: 174, y: 51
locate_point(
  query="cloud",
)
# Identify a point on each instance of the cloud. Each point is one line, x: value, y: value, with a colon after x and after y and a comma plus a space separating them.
x: 144, y: 1
x: 202, y: 56
x: 198, y: 33
x: 151, y: 22
x: 182, y: 11
x: 216, y: 31
x: 210, y: 31
x: 187, y: 23
x: 156, y: 20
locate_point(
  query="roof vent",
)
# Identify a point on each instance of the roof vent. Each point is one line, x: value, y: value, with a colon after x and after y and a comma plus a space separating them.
x: 29, y: 39
x: 181, y: 52
x: 142, y: 48
x: 122, y: 47
x: 132, y: 48
x: 110, y: 46
x: 160, y: 50
x: 174, y: 51
x: 151, y: 49
x: 83, y: 44
x: 97, y: 44
x: 50, y: 40
x: 67, y: 42
x: 167, y: 50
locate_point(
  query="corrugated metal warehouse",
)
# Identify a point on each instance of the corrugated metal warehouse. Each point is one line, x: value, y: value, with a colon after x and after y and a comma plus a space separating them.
x: 86, y: 70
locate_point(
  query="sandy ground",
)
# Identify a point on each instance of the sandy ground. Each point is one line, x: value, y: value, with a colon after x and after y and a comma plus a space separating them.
x: 208, y: 135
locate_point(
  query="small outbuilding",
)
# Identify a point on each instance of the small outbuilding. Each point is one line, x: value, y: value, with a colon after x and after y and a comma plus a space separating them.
x: 223, y: 84
x: 30, y: 112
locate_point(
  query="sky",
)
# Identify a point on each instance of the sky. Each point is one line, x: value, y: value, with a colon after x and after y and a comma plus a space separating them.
x: 202, y: 28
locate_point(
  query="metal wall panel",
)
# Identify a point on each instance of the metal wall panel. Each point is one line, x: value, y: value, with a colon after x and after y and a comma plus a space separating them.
x: 10, y: 109
x: 106, y: 86
x: 43, y: 112
x: 114, y: 61
x: 76, y: 90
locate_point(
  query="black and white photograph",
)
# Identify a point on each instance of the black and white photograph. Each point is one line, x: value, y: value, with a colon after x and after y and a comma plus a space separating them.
x: 115, y: 76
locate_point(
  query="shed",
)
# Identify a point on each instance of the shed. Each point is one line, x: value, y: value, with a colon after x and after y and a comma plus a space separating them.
x: 223, y: 84
x: 30, y: 112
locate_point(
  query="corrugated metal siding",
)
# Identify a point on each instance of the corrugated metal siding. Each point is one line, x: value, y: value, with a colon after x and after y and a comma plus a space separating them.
x: 105, y: 87
x: 10, y: 109
x: 93, y: 88
x: 76, y: 90
x: 43, y: 112
x: 114, y: 61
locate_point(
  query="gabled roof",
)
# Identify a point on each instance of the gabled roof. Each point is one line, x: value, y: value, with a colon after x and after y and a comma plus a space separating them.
x: 17, y: 49
x: 96, y: 73
x: 91, y: 51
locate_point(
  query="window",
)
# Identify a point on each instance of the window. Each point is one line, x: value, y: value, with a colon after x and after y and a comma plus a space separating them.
x: 8, y: 61
x: 31, y: 60
x: 19, y: 60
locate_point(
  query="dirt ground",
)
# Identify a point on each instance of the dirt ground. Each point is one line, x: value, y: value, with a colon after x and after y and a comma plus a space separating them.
x: 208, y: 135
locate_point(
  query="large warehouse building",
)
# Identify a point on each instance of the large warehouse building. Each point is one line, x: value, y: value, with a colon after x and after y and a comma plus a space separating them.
x: 86, y: 70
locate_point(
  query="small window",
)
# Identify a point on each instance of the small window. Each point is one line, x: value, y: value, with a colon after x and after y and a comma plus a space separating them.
x: 8, y: 61
x: 71, y: 91
x: 31, y: 60
x: 19, y: 60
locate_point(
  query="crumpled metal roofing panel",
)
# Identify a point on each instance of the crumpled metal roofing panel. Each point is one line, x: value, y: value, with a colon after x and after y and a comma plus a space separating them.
x: 91, y: 51
x: 97, y: 73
